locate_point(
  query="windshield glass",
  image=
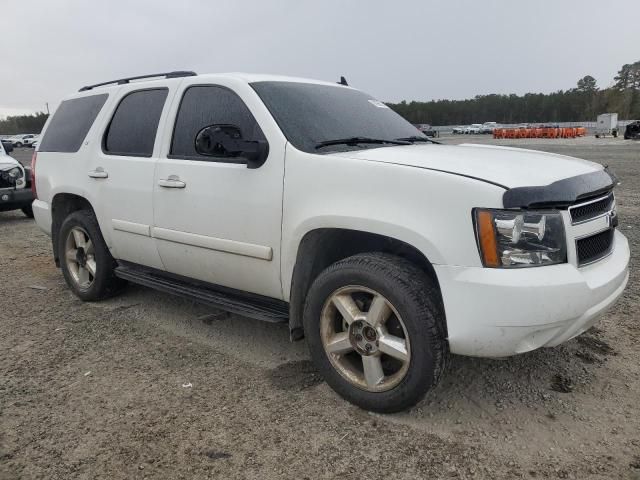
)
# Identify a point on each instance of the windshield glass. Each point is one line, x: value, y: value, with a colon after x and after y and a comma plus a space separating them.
x: 309, y: 114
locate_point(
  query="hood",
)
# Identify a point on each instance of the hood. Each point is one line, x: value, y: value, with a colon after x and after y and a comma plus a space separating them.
x: 505, y: 166
x: 7, y: 162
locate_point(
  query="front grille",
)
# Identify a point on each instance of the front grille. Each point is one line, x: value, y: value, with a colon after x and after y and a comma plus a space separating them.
x: 593, y: 209
x: 5, y: 183
x: 595, y: 247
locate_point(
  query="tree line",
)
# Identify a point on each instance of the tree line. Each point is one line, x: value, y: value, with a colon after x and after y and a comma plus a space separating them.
x: 23, y: 124
x: 579, y: 104
x: 582, y: 103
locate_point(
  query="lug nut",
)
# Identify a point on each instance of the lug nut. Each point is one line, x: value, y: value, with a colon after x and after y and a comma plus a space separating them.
x: 359, y: 337
x: 368, y: 347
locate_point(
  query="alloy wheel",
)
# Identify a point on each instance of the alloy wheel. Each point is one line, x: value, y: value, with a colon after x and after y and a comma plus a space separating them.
x: 80, y: 257
x: 365, y: 338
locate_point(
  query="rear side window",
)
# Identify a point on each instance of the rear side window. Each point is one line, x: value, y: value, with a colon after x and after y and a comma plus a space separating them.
x: 71, y: 123
x: 134, y: 125
x: 203, y: 106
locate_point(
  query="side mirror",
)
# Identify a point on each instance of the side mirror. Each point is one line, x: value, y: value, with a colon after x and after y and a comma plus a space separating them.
x: 227, y: 141
x: 8, y: 147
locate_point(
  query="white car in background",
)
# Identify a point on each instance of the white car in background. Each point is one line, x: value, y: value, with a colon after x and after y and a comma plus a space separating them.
x: 473, y: 129
x: 488, y: 127
x: 23, y: 140
x: 15, y: 183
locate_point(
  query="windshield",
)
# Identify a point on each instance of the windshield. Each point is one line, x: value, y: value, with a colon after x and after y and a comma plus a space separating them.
x: 310, y: 114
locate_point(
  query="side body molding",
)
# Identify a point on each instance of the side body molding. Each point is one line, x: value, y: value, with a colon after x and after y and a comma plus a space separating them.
x: 211, y: 243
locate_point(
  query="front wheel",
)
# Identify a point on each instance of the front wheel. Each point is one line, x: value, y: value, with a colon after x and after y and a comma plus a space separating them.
x: 376, y: 331
x: 87, y: 264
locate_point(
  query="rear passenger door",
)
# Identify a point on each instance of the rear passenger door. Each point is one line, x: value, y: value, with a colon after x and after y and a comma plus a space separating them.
x: 121, y: 174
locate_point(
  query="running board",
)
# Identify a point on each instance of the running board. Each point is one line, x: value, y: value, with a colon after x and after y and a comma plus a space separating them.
x: 242, y: 303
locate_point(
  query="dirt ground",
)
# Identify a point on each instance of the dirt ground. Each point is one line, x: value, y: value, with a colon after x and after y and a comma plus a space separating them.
x: 149, y: 386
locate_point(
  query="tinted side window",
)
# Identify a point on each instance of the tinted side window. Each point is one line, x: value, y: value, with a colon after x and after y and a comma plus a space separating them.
x: 203, y: 106
x: 71, y: 123
x: 134, y: 125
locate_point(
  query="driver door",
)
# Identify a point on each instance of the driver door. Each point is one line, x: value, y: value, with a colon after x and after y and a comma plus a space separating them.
x: 216, y: 220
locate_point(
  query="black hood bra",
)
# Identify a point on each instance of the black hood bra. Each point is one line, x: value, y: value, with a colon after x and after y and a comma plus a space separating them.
x: 562, y: 193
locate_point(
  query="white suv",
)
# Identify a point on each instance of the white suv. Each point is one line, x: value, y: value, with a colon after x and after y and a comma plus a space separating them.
x: 15, y: 183
x: 313, y: 203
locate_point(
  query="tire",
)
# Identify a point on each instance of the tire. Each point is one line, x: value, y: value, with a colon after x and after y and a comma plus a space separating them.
x: 28, y: 211
x: 413, y: 303
x: 19, y: 145
x: 96, y: 256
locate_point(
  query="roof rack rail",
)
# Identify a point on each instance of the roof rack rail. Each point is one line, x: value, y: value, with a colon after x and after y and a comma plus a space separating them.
x: 123, y: 81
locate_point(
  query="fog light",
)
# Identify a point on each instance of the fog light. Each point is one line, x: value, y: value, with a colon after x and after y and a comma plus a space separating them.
x: 5, y: 197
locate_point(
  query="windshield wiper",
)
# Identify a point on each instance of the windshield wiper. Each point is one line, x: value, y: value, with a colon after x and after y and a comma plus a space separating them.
x: 417, y: 139
x: 357, y: 140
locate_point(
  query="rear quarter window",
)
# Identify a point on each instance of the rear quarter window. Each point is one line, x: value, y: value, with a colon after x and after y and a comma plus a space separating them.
x: 71, y: 123
x: 132, y: 130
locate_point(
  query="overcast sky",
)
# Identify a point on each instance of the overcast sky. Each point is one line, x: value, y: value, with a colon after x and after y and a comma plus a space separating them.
x: 395, y: 50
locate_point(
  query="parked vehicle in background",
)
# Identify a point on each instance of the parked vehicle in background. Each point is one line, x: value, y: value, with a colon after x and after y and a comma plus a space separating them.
x: 488, y: 127
x: 427, y: 130
x: 237, y: 190
x: 35, y: 144
x: 607, y: 124
x: 473, y: 128
x: 458, y: 130
x: 632, y: 132
x: 15, y: 183
x: 23, y: 140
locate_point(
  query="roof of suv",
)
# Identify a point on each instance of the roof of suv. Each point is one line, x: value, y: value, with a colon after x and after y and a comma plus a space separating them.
x: 245, y: 77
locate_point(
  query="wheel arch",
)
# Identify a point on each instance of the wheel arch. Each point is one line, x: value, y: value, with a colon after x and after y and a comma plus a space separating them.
x: 62, y: 205
x: 321, y: 247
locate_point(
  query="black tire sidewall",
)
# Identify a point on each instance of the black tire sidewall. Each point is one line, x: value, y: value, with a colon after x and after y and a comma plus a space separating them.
x: 421, y: 318
x: 105, y: 283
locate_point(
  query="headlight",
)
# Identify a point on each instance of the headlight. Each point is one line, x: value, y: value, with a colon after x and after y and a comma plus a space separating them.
x: 12, y: 175
x: 15, y: 173
x: 512, y: 239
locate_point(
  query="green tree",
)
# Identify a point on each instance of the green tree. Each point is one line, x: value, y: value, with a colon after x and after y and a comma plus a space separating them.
x: 628, y: 76
x: 587, y: 84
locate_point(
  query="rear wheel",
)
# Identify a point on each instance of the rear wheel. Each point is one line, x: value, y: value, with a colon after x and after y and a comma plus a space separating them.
x: 18, y: 144
x: 375, y: 330
x: 87, y: 264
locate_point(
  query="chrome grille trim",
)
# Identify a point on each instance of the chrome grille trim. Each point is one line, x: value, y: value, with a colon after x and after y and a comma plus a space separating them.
x: 596, y: 208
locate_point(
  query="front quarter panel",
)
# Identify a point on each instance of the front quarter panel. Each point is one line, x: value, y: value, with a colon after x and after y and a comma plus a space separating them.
x: 430, y: 210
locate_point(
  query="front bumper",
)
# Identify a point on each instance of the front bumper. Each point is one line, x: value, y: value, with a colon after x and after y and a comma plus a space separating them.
x: 502, y: 312
x: 12, y: 199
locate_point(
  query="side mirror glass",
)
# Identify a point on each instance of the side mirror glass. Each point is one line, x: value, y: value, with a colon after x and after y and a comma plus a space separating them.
x: 226, y: 141
x: 8, y: 147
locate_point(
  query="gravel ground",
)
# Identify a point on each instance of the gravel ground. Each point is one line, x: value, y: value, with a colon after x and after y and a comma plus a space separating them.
x: 148, y: 386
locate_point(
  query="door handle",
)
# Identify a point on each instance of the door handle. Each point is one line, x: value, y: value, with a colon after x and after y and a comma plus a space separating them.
x: 98, y: 173
x: 172, y: 181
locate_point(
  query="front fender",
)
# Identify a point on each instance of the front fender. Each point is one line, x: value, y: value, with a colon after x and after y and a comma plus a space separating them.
x: 429, y: 210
